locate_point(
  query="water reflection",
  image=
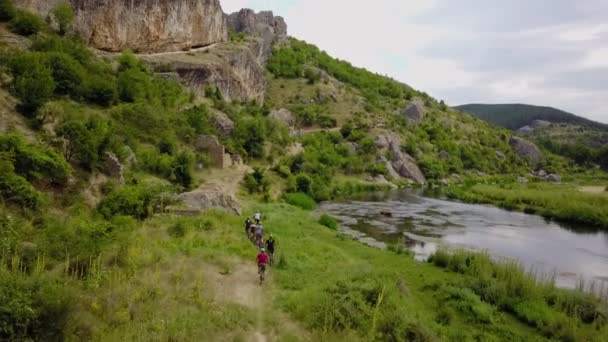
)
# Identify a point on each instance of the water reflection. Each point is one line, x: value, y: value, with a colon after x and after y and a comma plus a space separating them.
x: 423, y: 224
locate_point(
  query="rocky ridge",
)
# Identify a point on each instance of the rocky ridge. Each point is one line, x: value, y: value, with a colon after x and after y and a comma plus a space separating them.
x: 143, y: 25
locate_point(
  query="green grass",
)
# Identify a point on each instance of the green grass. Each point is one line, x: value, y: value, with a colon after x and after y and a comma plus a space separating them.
x: 563, y: 202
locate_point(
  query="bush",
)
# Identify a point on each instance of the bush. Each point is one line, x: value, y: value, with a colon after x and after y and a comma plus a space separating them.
x: 328, y: 221
x: 182, y: 166
x: 26, y: 23
x: 34, y: 88
x: 31, y: 307
x: 7, y: 10
x: 35, y: 163
x: 16, y: 189
x: 137, y: 200
x: 178, y: 230
x: 64, y: 15
x: 100, y: 90
x: 68, y: 74
x: 301, y: 200
x: 256, y: 182
x: 303, y: 183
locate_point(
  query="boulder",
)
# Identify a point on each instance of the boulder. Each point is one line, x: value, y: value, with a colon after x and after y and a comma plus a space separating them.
x: 522, y: 180
x: 444, y: 155
x: 113, y: 167
x: 554, y: 178
x: 211, y: 199
x: 143, y: 25
x: 526, y: 150
x: 406, y: 166
x: 285, y: 116
x: 526, y: 130
x: 414, y: 111
x: 500, y: 155
x: 222, y: 123
x: 542, y: 173
x: 381, y: 141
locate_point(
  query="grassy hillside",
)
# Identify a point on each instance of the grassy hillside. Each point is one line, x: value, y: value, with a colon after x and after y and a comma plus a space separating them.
x: 515, y: 116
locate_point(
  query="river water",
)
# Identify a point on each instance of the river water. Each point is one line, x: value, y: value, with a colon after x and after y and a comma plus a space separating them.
x: 423, y: 224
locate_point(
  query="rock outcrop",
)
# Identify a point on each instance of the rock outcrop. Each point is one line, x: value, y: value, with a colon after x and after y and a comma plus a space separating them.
x: 401, y: 165
x: 222, y: 122
x: 203, y: 199
x: 414, y: 111
x: 113, y: 167
x: 264, y: 26
x: 233, y: 68
x: 526, y: 150
x: 285, y: 116
x: 143, y: 25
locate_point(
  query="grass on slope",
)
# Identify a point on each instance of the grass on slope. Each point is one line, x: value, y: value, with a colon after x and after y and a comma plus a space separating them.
x: 560, y: 201
x: 178, y: 279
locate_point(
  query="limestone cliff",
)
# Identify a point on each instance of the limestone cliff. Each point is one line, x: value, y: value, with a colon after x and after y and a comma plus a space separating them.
x: 143, y: 25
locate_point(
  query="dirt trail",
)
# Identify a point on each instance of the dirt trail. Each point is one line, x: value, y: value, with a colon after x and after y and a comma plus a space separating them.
x: 226, y: 180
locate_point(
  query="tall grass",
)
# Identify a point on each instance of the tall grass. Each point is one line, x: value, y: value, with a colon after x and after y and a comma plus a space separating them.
x: 534, y: 301
x: 553, y: 201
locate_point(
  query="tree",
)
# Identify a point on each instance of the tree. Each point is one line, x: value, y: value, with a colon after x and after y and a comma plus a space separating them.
x: 34, y: 88
x: 183, y: 169
x: 7, y: 10
x: 64, y: 15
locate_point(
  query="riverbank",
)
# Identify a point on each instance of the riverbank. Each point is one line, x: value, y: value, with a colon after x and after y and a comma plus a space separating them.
x: 564, y: 202
x: 188, y: 279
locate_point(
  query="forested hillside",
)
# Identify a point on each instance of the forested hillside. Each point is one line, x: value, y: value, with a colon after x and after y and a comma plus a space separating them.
x: 515, y: 116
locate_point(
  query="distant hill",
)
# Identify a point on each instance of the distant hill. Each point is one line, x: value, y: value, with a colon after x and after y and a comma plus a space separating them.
x: 515, y: 116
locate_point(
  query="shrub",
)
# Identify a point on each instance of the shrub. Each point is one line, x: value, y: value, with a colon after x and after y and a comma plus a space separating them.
x: 31, y: 307
x: 300, y: 200
x: 256, y: 182
x: 16, y: 189
x: 182, y: 166
x: 26, y: 23
x: 328, y: 221
x: 303, y: 183
x: 178, y: 230
x: 64, y: 15
x: 137, y: 200
x: 100, y: 90
x: 84, y: 141
x: 35, y: 163
x: 34, y: 88
x: 68, y: 74
x: 7, y: 10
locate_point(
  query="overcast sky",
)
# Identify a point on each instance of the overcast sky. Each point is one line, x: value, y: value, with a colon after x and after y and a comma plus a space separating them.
x: 543, y: 52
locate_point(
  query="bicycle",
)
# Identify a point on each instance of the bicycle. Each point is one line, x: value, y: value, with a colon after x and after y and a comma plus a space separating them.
x: 262, y: 272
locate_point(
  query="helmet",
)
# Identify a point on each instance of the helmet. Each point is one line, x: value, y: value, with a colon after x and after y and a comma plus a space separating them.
x: 262, y: 249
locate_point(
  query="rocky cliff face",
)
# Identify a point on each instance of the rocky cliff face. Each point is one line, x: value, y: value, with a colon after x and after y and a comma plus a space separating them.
x: 144, y: 25
x: 264, y: 26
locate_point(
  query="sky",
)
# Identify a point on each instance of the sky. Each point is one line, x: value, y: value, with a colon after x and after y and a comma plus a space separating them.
x: 542, y: 52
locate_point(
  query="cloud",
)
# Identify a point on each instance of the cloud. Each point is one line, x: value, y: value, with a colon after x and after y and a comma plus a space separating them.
x: 546, y: 52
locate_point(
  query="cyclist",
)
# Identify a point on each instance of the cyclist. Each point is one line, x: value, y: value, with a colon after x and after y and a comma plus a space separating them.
x: 270, y: 247
x: 248, y: 224
x: 259, y: 233
x: 262, y: 261
x: 258, y: 217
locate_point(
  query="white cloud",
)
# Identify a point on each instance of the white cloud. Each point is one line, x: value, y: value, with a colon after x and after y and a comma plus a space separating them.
x: 470, y: 51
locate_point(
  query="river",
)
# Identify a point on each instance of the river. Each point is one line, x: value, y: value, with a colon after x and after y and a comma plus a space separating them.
x: 423, y: 224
